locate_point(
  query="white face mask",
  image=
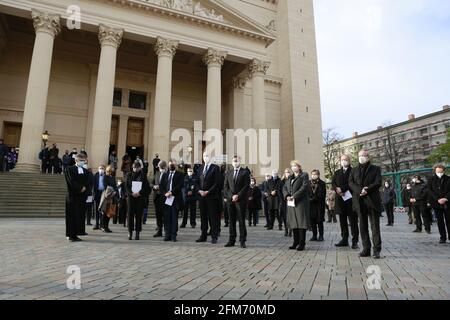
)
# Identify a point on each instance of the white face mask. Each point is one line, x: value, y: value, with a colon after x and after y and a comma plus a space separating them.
x: 344, y: 163
x: 295, y: 169
x: 267, y: 178
x: 363, y: 160
x: 101, y: 171
x: 236, y: 165
x: 408, y: 187
x: 85, y: 166
x: 440, y: 174
x: 386, y: 185
x: 315, y: 177
x: 275, y: 175
x: 252, y: 183
x: 190, y: 174
x: 206, y: 159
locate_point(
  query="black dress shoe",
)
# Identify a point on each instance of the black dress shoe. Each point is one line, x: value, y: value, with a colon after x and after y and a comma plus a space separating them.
x: 74, y: 239
x: 174, y: 240
x: 130, y: 236
x: 96, y: 228
x: 167, y: 239
x: 364, y: 254
x: 226, y: 225
x: 214, y: 241
x: 355, y: 246
x: 376, y: 255
x: 229, y: 245
x: 442, y: 241
x: 313, y: 239
x: 183, y: 226
x: 320, y: 239
x: 301, y: 247
x: 417, y: 231
x: 293, y: 247
x: 243, y: 245
x: 286, y: 233
x: 157, y: 235
x: 342, y: 243
x: 89, y: 224
x: 83, y: 234
x: 137, y: 236
x: 200, y: 240
x: 270, y: 228
x: 108, y: 231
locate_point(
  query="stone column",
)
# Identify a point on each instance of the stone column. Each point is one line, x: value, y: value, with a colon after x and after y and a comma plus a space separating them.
x: 47, y: 26
x: 165, y: 50
x: 122, y: 142
x: 214, y: 60
x: 110, y: 40
x: 257, y: 70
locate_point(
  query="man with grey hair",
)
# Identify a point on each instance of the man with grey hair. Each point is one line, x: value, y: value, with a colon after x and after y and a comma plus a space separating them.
x: 158, y: 197
x: 365, y: 182
x: 344, y: 205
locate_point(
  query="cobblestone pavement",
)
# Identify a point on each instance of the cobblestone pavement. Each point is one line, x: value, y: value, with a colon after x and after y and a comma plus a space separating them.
x: 34, y: 257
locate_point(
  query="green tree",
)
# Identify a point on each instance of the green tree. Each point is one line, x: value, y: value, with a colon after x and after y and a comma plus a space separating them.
x: 442, y: 153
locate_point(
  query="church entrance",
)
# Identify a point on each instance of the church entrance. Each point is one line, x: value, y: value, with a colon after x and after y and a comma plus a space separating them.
x: 11, y: 134
x: 135, y: 138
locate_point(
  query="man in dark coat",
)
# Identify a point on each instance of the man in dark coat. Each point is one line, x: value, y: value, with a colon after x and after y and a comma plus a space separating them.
x: 89, y: 204
x: 44, y: 156
x: 209, y: 195
x: 136, y: 199
x: 439, y: 197
x: 265, y: 194
x: 101, y: 182
x: 53, y: 159
x: 318, y: 194
x: 158, y: 198
x: 254, y: 203
x: 237, y: 183
x: 3, y: 155
x: 78, y: 183
x: 365, y: 182
x: 155, y: 162
x: 406, y: 197
x: 273, y: 200
x: 388, y: 199
x: 418, y: 200
x: 345, y: 207
x: 171, y: 187
x: 190, y: 190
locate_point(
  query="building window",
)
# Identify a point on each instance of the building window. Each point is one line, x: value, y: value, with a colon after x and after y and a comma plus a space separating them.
x: 137, y: 100
x: 117, y: 99
x: 436, y: 128
x: 423, y: 131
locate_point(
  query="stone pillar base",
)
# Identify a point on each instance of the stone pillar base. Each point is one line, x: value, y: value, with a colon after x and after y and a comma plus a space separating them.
x: 28, y: 168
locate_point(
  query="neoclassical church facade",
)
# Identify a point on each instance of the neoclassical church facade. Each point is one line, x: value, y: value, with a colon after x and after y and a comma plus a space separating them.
x: 132, y: 71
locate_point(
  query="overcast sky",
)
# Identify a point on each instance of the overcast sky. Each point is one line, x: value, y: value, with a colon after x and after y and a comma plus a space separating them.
x: 380, y: 60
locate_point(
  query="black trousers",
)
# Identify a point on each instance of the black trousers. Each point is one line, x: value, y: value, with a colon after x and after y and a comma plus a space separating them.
x: 366, y: 215
x: 158, y: 200
x: 75, y: 207
x: 316, y: 223
x: 237, y: 214
x: 135, y: 213
x: 389, y: 208
x: 346, y: 216
x: 299, y: 237
x: 283, y: 213
x: 266, y: 211
x: 226, y: 215
x: 190, y: 210
x: 98, y: 214
x: 275, y: 213
x: 420, y: 212
x: 410, y: 213
x: 171, y: 221
x: 2, y: 163
x: 89, y: 209
x: 122, y: 216
x: 443, y: 218
x: 331, y: 215
x: 209, y: 215
x: 252, y: 216
x: 105, y: 221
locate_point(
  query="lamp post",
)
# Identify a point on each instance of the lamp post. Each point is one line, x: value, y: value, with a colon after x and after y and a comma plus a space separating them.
x: 45, y: 137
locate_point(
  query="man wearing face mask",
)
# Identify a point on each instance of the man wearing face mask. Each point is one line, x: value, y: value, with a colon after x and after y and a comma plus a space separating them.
x: 418, y: 200
x: 99, y: 187
x: 344, y: 208
x: 265, y: 194
x: 158, y: 198
x: 273, y: 200
x: 78, y: 183
x: 365, y: 182
x: 237, y: 184
x: 406, y: 196
x: 136, y: 198
x: 439, y: 197
x: 171, y: 188
x: 318, y: 193
x: 209, y: 195
x: 191, y: 186
x: 388, y: 198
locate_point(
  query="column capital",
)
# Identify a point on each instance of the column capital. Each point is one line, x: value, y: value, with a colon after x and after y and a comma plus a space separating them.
x: 166, y: 47
x: 46, y: 22
x: 214, y: 57
x: 258, y: 67
x: 110, y: 36
x: 239, y: 83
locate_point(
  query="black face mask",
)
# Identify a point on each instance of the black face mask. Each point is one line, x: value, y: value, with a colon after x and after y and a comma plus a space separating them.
x: 172, y: 167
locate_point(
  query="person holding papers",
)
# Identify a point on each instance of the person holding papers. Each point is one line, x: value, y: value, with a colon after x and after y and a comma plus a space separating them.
x: 171, y: 187
x: 296, y: 193
x: 78, y: 182
x: 137, y: 188
x: 344, y: 204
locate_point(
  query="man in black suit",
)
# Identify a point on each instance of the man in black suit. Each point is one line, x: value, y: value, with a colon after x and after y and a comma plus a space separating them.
x: 155, y: 163
x: 345, y: 207
x: 365, y: 182
x: 158, y: 198
x: 439, y: 197
x: 78, y: 184
x: 171, y: 187
x: 237, y: 184
x: 53, y: 159
x: 210, y: 179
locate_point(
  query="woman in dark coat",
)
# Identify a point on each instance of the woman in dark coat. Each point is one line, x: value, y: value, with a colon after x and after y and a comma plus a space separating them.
x: 296, y: 193
x: 110, y: 181
x: 318, y: 194
x: 283, y: 204
x: 254, y: 203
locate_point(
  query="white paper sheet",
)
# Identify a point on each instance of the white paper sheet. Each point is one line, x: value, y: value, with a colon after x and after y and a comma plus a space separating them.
x: 80, y: 170
x: 169, y: 201
x: 136, y: 186
x: 291, y: 203
x: 89, y: 199
x: 347, y: 196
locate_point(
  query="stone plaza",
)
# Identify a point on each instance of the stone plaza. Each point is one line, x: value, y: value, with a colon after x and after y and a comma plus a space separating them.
x: 35, y: 257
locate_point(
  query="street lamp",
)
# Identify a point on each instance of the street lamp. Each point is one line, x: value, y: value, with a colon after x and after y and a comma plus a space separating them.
x: 45, y: 136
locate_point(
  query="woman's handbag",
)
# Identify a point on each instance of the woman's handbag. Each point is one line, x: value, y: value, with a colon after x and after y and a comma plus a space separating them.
x: 111, y: 210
